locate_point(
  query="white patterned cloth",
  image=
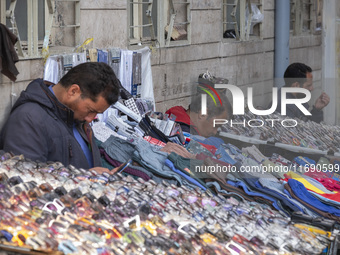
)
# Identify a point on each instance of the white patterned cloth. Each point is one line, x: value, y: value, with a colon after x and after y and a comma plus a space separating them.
x: 131, y: 104
x: 102, y: 132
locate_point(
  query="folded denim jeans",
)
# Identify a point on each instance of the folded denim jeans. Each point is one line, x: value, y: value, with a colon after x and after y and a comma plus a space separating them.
x: 185, y: 176
x: 326, y: 200
x: 276, y: 190
x: 247, y: 190
x: 222, y: 155
x: 118, y: 149
x: 122, y: 150
x: 302, y: 193
x: 322, y: 213
x: 150, y: 157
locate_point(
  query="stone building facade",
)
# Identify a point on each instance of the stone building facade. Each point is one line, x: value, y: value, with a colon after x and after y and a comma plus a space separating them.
x: 175, y: 67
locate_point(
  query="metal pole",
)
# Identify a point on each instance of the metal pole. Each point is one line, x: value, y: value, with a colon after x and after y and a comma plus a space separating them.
x: 281, y: 57
x: 35, y: 27
x: 329, y: 62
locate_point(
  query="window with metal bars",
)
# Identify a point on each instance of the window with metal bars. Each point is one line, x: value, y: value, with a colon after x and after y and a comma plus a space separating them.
x: 32, y: 22
x: 238, y: 19
x: 305, y: 16
x: 142, y: 21
x: 162, y: 23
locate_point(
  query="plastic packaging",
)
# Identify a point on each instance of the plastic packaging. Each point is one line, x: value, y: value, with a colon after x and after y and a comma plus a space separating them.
x: 257, y: 17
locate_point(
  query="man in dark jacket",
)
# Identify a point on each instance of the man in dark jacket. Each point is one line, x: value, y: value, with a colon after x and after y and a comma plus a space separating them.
x: 51, y: 123
x: 300, y: 75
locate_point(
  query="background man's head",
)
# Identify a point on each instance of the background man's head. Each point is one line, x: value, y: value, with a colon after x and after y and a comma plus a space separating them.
x: 204, y: 123
x: 299, y: 75
x: 89, y: 88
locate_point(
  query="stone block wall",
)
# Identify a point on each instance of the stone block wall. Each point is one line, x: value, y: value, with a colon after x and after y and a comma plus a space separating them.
x: 175, y: 69
x: 10, y: 91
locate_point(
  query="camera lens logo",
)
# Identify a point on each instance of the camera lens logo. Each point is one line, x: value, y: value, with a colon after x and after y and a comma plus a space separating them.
x: 205, y: 88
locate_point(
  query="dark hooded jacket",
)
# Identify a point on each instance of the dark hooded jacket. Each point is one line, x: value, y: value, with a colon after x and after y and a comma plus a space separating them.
x: 8, y: 55
x: 41, y: 128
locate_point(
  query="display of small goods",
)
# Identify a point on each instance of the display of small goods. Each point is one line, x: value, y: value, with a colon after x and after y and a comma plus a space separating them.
x: 50, y: 208
x: 275, y: 128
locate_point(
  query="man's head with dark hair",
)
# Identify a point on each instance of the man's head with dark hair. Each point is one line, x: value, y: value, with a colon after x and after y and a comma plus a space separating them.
x: 204, y: 123
x: 93, y: 79
x: 88, y: 89
x: 297, y: 72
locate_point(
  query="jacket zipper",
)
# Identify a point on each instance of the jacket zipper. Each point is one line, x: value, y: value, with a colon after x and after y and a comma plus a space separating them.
x: 70, y: 149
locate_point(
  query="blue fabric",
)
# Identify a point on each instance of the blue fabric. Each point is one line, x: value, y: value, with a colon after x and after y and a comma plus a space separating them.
x: 236, y: 152
x: 325, y: 200
x: 276, y: 190
x: 252, y: 180
x: 252, y: 193
x: 80, y: 140
x: 185, y: 176
x: 118, y: 148
x: 195, y: 137
x: 232, y: 148
x: 222, y: 155
x: 113, y: 145
x: 150, y: 157
x: 301, y: 192
x: 102, y: 56
x: 147, y: 155
x: 83, y: 146
x: 214, y: 141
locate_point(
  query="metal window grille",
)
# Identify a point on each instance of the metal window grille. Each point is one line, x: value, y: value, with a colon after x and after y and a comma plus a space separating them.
x: 235, y: 18
x: 34, y: 28
x: 178, y: 23
x: 166, y: 23
x: 302, y: 13
x: 141, y: 21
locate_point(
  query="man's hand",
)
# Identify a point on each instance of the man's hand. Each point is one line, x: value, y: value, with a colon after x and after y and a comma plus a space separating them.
x: 180, y: 150
x: 101, y: 170
x: 322, y: 101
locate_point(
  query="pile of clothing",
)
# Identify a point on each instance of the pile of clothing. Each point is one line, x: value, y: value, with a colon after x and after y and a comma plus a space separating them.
x: 219, y: 167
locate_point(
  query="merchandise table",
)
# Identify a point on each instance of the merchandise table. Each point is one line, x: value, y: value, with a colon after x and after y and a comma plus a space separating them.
x: 292, y: 148
x: 53, y: 209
